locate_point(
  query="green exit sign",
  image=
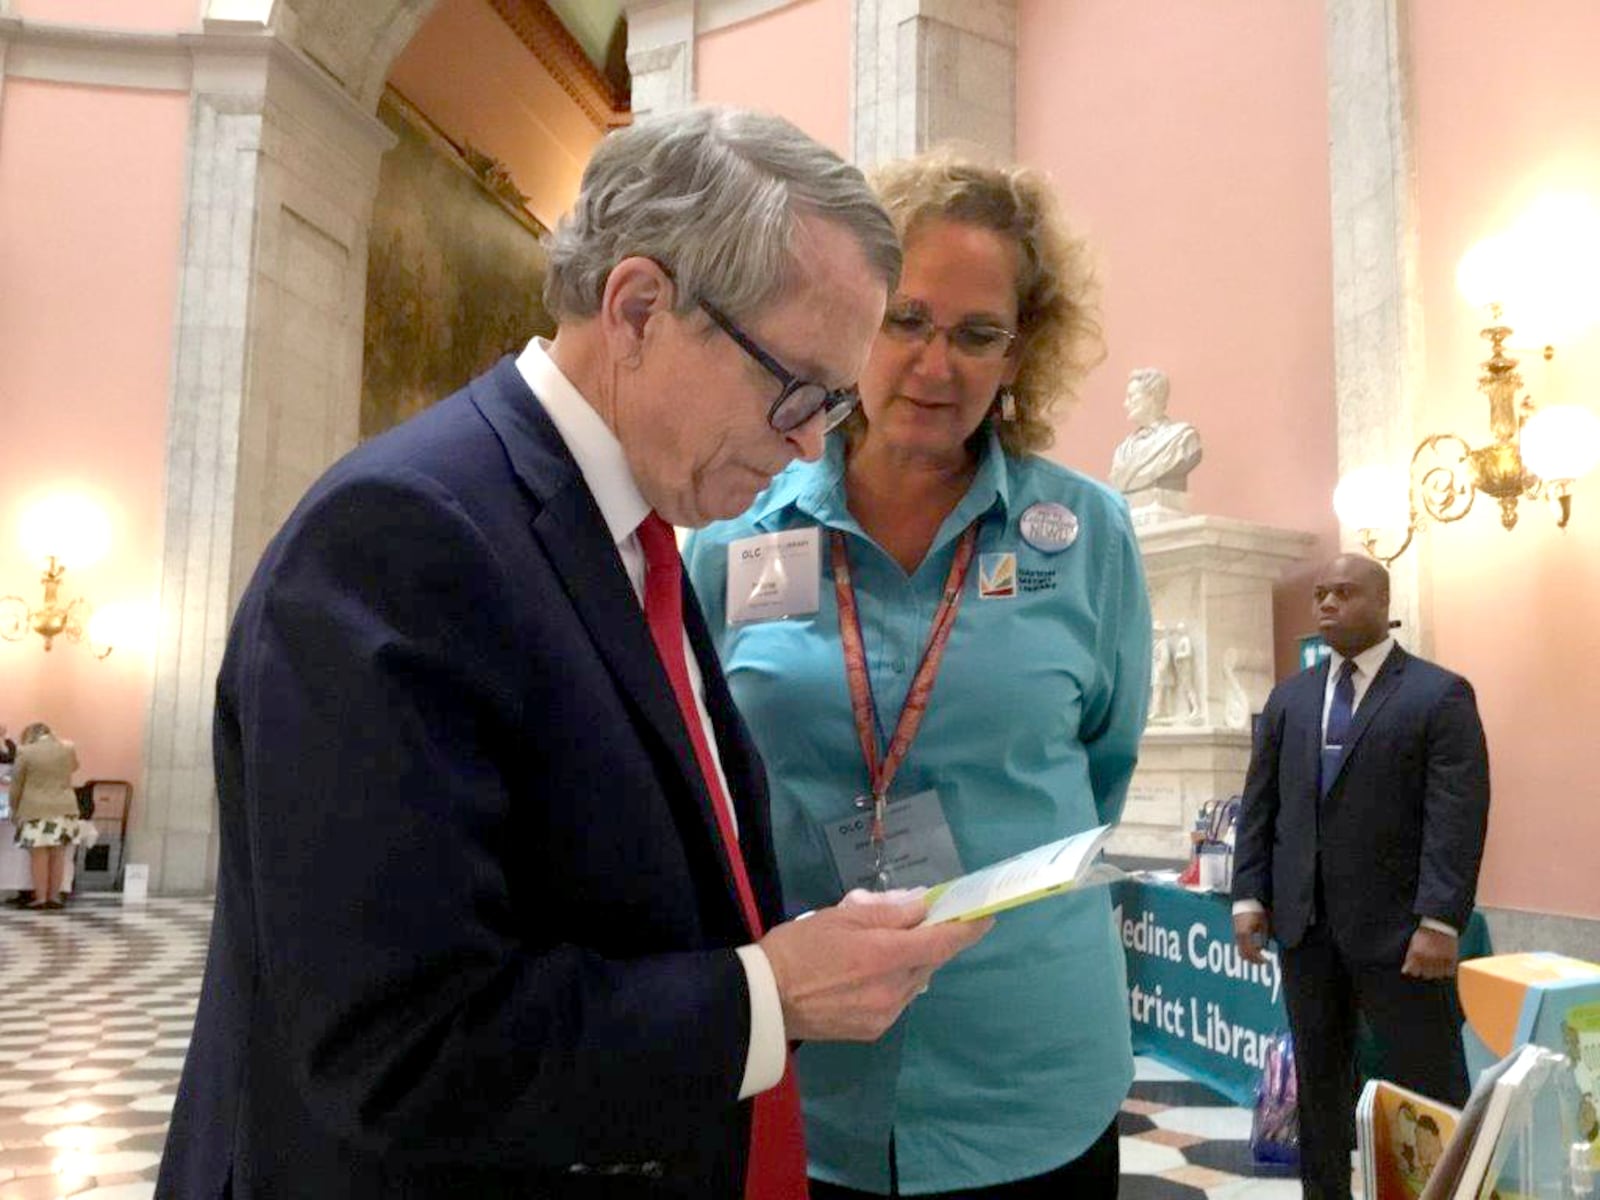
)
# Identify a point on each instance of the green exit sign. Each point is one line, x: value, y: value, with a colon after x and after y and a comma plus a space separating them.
x: 1312, y: 651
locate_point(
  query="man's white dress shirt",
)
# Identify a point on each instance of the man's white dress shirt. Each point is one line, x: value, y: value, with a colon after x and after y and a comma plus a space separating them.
x: 606, y: 472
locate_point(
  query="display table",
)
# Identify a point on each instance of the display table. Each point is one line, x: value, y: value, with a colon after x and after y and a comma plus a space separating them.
x: 1194, y: 1002
x: 1546, y: 999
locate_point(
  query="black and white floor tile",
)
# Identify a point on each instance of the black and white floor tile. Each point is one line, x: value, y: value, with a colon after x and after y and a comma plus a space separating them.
x: 97, y: 1002
x: 96, y: 1006
x: 1183, y: 1141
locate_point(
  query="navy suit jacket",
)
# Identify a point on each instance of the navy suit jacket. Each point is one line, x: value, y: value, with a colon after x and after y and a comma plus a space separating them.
x: 1398, y: 834
x: 475, y: 926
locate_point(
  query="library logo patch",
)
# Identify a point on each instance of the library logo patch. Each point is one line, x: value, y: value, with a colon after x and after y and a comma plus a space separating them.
x: 997, y: 576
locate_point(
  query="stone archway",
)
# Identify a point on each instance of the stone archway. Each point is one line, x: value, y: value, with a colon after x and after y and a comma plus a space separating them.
x: 283, y: 166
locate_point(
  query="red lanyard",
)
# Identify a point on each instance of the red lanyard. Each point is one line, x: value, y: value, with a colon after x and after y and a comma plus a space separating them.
x: 881, y: 769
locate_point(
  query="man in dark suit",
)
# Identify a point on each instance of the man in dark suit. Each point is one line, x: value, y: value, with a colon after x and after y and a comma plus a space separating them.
x: 1358, y: 850
x: 497, y: 912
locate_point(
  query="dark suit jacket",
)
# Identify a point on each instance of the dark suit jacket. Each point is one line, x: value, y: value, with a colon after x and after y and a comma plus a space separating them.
x: 474, y: 921
x: 1400, y: 832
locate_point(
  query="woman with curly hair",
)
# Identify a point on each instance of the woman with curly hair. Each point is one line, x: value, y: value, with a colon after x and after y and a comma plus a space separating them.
x: 44, y: 809
x: 968, y: 681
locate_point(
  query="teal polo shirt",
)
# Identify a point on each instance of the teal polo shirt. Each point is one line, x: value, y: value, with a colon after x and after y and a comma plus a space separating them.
x: 1018, y: 1056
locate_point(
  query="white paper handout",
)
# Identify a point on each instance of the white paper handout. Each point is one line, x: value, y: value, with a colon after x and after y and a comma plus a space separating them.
x: 1047, y: 870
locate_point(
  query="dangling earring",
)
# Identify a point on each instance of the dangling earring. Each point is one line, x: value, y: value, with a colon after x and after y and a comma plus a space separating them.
x: 1008, y: 404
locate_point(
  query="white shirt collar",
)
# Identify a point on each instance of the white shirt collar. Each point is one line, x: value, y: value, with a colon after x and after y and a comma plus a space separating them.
x: 1367, y: 662
x: 589, y: 440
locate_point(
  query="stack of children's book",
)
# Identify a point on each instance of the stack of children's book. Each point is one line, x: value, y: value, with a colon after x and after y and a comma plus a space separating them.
x: 1512, y: 1139
x: 1402, y: 1137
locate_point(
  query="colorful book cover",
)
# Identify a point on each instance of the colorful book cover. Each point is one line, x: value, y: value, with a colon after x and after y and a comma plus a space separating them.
x: 1580, y: 1034
x: 1409, y: 1133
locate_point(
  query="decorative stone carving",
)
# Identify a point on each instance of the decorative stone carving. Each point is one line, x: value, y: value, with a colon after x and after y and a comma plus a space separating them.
x: 1151, y: 465
x: 1248, y: 678
x: 494, y: 175
x: 1172, y: 688
x: 1162, y: 675
x: 1186, y: 704
x: 1210, y: 584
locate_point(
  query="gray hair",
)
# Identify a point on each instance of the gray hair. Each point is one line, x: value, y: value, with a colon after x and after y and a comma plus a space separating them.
x: 34, y: 732
x: 714, y: 195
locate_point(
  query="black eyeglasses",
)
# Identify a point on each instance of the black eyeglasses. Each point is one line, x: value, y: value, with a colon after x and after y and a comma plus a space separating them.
x: 800, y: 399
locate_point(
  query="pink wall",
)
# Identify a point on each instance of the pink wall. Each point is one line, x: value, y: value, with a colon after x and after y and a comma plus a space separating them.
x: 795, y: 61
x: 91, y: 201
x: 1191, y: 145
x: 477, y: 82
x: 1515, y: 612
x: 112, y: 14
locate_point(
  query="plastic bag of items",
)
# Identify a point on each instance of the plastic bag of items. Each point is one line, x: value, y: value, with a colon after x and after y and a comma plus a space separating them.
x: 1275, y: 1127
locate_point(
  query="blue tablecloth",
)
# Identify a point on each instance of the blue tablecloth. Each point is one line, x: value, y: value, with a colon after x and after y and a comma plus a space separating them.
x: 1195, y: 1003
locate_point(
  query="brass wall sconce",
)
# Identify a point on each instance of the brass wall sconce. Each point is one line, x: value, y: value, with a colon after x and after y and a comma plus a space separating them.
x: 60, y: 530
x: 1534, y: 455
x: 1548, y: 262
x: 50, y: 620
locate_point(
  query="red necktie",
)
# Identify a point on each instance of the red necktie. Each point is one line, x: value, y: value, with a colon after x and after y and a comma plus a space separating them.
x: 777, y: 1168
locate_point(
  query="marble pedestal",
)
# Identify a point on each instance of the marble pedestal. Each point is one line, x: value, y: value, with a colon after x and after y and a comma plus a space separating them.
x: 1210, y: 584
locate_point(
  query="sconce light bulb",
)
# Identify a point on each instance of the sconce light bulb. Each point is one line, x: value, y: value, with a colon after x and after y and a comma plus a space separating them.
x: 68, y: 527
x: 1561, y: 442
x: 1544, y: 271
x: 1373, y: 498
x: 1484, y: 274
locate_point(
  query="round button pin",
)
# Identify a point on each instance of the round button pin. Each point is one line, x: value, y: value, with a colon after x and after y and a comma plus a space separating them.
x: 1049, y: 527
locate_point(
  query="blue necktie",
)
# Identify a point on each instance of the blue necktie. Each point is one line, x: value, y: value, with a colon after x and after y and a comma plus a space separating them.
x: 1340, y: 713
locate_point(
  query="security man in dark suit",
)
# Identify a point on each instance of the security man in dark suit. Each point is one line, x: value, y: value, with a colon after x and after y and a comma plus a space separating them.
x: 1359, y: 842
x: 506, y: 922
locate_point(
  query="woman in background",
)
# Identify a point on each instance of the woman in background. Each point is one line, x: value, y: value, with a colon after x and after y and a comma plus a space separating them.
x: 44, y: 809
x: 960, y: 571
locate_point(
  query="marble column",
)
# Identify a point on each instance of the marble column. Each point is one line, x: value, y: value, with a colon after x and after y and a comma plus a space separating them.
x: 931, y: 71
x: 283, y: 168
x: 661, y: 54
x: 1377, y: 296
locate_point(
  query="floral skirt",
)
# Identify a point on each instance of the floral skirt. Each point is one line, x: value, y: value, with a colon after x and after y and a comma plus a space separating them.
x: 45, y: 832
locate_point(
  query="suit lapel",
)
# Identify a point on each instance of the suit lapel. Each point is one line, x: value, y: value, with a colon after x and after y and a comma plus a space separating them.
x: 578, y: 544
x: 1383, y: 686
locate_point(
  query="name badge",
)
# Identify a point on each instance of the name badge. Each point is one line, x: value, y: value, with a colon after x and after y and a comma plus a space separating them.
x: 920, y: 850
x: 772, y: 576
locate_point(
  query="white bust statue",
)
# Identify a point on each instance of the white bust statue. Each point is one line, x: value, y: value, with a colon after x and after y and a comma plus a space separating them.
x: 1161, y: 452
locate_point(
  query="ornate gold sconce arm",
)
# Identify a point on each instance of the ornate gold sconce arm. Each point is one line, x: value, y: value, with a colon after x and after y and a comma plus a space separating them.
x: 52, y: 619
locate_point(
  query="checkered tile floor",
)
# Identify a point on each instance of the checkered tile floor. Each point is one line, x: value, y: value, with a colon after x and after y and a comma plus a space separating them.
x: 96, y: 1005
x: 1182, y: 1141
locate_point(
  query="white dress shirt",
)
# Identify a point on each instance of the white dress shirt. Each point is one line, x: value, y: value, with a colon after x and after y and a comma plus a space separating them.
x: 605, y: 470
x: 1368, y: 663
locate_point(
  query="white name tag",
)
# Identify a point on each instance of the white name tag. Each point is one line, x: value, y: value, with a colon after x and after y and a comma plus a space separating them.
x: 920, y: 850
x: 774, y: 575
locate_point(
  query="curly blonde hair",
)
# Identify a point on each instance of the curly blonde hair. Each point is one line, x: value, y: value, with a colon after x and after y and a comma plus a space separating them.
x: 1058, y: 318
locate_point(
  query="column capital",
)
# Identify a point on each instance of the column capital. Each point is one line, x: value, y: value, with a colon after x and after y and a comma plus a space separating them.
x: 661, y: 54
x: 934, y: 71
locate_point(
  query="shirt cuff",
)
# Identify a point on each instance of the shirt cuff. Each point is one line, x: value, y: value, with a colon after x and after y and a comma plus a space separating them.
x: 1440, y: 927
x: 1248, y: 906
x: 769, y: 1047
